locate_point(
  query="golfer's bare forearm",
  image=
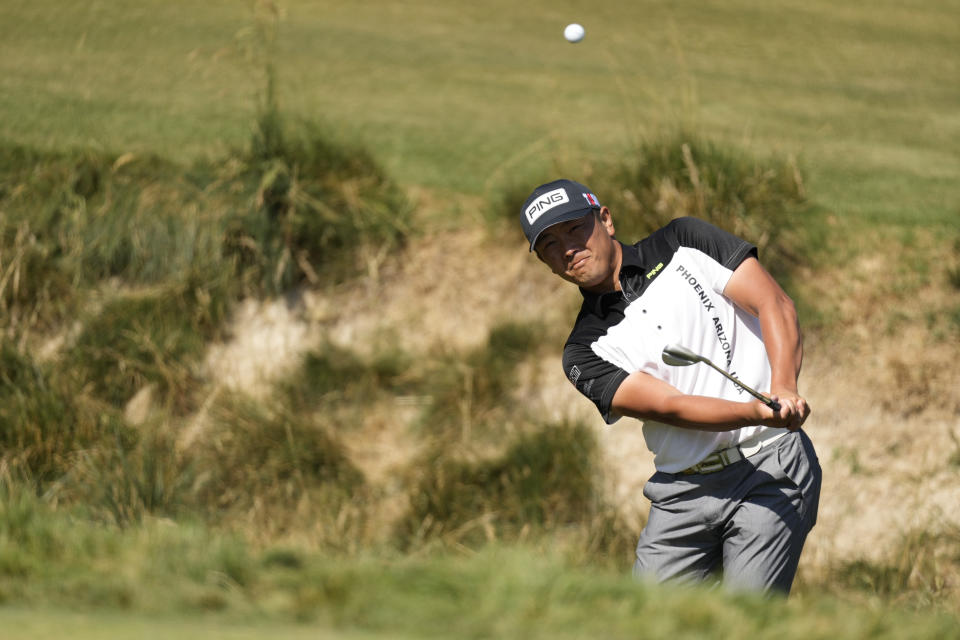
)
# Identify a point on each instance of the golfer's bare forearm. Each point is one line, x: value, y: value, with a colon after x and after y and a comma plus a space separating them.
x: 701, y: 413
x: 644, y: 397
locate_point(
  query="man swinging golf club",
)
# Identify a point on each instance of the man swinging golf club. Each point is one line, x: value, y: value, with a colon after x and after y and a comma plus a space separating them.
x: 737, y: 482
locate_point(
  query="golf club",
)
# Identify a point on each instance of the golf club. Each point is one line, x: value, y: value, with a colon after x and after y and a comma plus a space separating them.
x: 679, y: 356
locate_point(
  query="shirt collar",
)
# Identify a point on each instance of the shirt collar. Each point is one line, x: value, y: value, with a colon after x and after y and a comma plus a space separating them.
x: 631, y: 256
x: 630, y: 260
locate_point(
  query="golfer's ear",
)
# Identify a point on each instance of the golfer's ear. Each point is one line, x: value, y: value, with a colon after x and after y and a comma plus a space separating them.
x: 606, y: 219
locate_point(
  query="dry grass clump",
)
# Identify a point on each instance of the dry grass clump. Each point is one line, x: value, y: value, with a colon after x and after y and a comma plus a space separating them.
x: 760, y: 200
x: 256, y: 467
x: 151, y: 337
x: 918, y: 385
x: 685, y: 174
x: 474, y: 391
x: 292, y: 207
x: 274, y: 470
x: 331, y: 376
x: 311, y: 204
x: 545, y: 487
x: 543, y: 479
x: 128, y: 267
x: 124, y: 482
x: 45, y: 421
x: 923, y: 570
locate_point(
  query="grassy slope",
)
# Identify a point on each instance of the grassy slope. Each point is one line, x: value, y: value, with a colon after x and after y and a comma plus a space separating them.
x: 162, y: 578
x: 452, y: 96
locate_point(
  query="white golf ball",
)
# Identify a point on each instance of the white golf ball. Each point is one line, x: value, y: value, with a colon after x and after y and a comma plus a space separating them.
x: 574, y: 32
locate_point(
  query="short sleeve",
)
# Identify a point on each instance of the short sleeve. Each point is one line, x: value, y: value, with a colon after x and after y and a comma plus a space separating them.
x: 593, y: 376
x: 724, y: 247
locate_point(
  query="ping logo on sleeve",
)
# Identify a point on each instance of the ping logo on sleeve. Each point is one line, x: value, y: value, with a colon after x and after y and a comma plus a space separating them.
x: 574, y: 374
x: 545, y: 202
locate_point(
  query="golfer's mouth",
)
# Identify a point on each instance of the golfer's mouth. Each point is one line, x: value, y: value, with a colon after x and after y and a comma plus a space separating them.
x: 578, y: 261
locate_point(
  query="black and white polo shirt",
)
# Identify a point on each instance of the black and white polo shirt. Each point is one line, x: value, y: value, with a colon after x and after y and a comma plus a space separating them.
x: 672, y: 286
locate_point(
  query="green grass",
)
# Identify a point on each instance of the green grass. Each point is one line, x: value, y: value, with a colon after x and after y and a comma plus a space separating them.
x: 545, y: 479
x: 147, y: 339
x: 184, y: 577
x: 182, y: 242
x: 45, y: 421
x: 45, y: 623
x: 271, y: 466
x: 475, y: 386
x: 452, y: 97
x: 320, y: 383
x: 680, y: 173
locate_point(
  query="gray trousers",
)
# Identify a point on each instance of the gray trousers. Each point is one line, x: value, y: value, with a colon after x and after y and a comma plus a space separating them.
x: 745, y: 524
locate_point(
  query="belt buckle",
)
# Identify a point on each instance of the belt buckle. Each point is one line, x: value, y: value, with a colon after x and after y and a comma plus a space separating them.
x: 711, y: 464
x: 713, y: 468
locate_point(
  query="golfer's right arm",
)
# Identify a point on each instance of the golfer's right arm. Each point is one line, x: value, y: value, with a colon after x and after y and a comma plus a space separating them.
x: 644, y: 397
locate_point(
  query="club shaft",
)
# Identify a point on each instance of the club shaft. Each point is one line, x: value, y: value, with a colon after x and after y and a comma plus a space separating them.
x: 759, y: 396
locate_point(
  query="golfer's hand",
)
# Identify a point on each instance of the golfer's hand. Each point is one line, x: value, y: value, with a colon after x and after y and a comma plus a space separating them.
x: 794, y: 410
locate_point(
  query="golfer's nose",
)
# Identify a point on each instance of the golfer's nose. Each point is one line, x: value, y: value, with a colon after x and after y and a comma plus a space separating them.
x: 570, y: 246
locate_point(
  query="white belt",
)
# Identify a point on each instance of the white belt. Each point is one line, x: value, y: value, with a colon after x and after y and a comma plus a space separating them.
x: 725, y: 457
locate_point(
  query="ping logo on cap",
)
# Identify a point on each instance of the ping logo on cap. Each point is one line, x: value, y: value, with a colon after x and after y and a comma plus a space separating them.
x: 545, y: 202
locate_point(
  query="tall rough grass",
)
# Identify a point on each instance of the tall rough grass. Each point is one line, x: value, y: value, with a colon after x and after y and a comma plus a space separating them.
x: 124, y: 483
x: 757, y: 199
x: 59, y: 559
x: 922, y: 571
x: 273, y: 216
x: 763, y: 200
x: 149, y: 337
x: 150, y: 256
x: 124, y: 268
x: 275, y: 471
x: 544, y: 479
x: 46, y: 421
x: 332, y: 376
x: 310, y: 202
x: 474, y: 389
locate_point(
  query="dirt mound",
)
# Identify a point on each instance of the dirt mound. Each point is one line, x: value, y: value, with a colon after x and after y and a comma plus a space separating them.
x: 882, y: 383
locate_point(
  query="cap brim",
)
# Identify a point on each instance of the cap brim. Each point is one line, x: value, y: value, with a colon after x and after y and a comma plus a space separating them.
x: 566, y: 217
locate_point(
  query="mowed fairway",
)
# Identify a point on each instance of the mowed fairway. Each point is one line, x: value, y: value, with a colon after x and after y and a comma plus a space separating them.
x: 455, y: 96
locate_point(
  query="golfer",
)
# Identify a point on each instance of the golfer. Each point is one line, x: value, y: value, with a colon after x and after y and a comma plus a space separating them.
x: 737, y: 484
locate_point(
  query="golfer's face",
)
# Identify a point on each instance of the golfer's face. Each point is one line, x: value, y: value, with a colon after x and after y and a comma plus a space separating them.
x: 579, y: 251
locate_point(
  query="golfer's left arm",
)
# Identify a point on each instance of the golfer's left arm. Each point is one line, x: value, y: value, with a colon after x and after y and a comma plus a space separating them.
x: 755, y: 291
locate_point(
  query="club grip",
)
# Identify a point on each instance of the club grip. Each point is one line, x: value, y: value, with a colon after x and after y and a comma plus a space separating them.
x: 773, y: 404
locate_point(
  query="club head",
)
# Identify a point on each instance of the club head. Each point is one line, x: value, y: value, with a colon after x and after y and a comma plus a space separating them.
x: 678, y: 356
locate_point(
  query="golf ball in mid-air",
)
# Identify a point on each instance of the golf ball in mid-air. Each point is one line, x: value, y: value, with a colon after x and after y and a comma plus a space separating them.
x: 574, y: 32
